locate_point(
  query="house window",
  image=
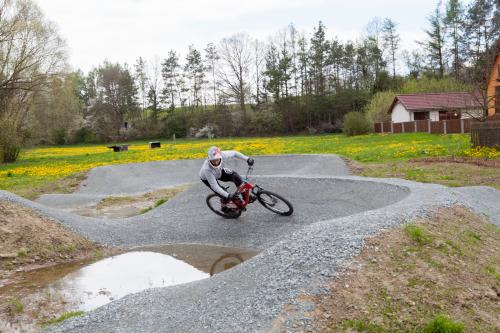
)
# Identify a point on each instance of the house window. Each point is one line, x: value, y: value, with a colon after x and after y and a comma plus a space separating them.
x: 420, y: 115
x: 449, y: 115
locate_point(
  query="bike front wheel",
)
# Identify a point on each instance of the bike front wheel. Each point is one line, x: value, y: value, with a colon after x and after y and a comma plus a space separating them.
x: 275, y: 203
x: 214, y: 203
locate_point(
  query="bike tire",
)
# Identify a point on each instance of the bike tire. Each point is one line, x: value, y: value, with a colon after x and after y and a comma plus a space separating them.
x: 213, y: 202
x: 269, y: 200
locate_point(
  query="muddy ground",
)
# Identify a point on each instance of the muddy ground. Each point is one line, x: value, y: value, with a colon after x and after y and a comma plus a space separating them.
x: 28, y: 242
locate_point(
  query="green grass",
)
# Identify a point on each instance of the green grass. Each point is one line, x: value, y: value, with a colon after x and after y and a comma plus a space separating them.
x: 14, y: 305
x: 417, y: 234
x: 363, y: 326
x: 40, y: 166
x: 145, y: 210
x: 65, y: 316
x: 443, y: 324
x: 22, y: 252
x: 160, y: 202
x: 491, y: 270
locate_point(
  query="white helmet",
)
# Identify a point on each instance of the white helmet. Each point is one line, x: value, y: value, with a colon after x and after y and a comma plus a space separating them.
x: 215, y: 157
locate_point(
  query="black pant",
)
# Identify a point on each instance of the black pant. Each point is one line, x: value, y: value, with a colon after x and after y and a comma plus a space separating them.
x: 227, y: 175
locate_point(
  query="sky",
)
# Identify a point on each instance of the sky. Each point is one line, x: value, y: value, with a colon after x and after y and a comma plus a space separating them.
x: 123, y: 30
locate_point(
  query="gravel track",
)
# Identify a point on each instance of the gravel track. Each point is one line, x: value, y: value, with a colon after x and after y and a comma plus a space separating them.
x: 334, y: 214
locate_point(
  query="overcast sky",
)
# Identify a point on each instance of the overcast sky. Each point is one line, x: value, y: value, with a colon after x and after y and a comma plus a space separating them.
x: 123, y: 30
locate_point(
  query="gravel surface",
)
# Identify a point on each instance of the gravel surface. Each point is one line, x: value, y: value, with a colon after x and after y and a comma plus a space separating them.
x: 334, y: 214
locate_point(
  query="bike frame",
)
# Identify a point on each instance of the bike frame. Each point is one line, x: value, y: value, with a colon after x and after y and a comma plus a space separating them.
x: 245, y: 189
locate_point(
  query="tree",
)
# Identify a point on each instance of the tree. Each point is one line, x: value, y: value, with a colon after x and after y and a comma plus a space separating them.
x: 336, y: 55
x: 318, y: 57
x: 259, y: 60
x: 116, y: 98
x: 195, y: 73
x: 236, y: 58
x: 211, y: 59
x: 435, y: 43
x: 57, y: 111
x: 414, y: 62
x: 31, y: 54
x: 454, y: 22
x: 154, y: 89
x: 482, y: 26
x: 142, y: 81
x: 171, y: 79
x: 391, y: 42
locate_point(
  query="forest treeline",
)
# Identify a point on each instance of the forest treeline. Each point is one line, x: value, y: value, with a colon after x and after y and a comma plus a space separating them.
x: 293, y: 82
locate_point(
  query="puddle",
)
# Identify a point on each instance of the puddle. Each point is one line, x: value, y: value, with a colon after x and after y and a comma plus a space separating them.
x: 86, y: 286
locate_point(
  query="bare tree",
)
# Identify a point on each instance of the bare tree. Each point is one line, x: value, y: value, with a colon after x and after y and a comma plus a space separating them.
x: 154, y: 87
x: 258, y: 70
x: 31, y: 53
x: 211, y: 59
x: 236, y: 59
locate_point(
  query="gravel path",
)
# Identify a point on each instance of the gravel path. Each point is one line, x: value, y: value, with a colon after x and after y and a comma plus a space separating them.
x: 334, y: 214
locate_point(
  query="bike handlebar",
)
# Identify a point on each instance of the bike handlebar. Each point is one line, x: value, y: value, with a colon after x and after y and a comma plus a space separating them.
x: 249, y: 171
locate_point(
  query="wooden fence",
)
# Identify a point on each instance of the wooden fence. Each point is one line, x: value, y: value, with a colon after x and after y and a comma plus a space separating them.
x: 426, y: 126
x: 486, y: 134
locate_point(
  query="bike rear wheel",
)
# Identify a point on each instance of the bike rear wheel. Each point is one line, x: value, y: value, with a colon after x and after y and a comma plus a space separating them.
x: 275, y: 203
x: 213, y: 202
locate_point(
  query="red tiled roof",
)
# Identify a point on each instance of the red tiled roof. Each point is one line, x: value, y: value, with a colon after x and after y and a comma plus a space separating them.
x: 437, y: 101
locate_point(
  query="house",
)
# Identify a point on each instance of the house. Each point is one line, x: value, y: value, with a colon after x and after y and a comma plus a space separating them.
x: 434, y: 107
x: 493, y: 92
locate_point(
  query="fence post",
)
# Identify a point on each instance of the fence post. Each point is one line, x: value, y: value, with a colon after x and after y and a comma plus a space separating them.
x: 429, y: 126
x: 462, y: 126
x: 382, y: 127
x: 402, y: 127
x: 444, y: 127
x: 392, y: 127
x: 415, y: 123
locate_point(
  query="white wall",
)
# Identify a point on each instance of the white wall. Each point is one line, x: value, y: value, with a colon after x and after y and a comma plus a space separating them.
x: 399, y: 113
x: 434, y: 115
x: 468, y: 114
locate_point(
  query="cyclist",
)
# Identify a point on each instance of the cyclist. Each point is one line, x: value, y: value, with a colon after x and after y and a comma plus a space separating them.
x: 213, y: 170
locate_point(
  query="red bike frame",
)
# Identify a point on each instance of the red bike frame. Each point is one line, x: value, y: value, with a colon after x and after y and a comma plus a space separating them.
x: 245, y: 189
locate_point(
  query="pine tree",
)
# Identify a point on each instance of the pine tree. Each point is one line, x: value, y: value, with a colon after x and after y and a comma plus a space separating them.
x: 195, y: 72
x: 171, y: 79
x: 482, y: 26
x: 435, y: 43
x: 142, y: 81
x: 211, y: 59
x: 391, y: 42
x: 454, y: 22
x: 318, y: 56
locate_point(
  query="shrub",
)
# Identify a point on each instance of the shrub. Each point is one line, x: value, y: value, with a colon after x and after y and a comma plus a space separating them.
x: 11, y: 143
x: 264, y: 122
x: 59, y: 136
x: 377, y: 110
x: 85, y: 135
x: 443, y: 324
x: 355, y: 123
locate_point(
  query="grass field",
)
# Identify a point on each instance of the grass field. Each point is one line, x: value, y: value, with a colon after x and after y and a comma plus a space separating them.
x: 41, y: 166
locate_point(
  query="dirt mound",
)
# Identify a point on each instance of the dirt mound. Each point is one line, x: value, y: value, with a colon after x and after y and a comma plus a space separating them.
x: 28, y: 240
x: 435, y: 271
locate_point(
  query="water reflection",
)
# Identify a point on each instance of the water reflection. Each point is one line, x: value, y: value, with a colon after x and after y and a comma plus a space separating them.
x: 115, y: 277
x: 85, y: 286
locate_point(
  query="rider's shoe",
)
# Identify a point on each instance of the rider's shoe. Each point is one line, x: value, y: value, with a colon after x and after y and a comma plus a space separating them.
x: 252, y: 198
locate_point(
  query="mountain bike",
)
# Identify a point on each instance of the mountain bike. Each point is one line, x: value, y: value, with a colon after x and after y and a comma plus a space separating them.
x: 249, y: 193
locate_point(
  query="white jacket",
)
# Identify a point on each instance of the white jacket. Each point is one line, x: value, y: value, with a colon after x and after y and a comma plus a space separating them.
x: 209, y: 173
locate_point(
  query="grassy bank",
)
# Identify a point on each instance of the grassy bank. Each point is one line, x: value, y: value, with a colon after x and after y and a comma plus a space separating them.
x: 40, y: 167
x: 437, y: 275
